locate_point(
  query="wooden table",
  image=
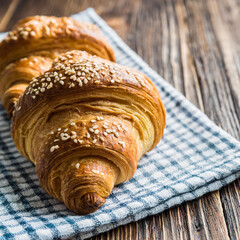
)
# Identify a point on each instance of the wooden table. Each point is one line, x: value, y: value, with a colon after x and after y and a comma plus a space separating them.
x: 194, y: 45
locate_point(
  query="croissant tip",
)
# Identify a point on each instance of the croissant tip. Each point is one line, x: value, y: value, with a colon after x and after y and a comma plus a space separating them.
x: 92, y: 201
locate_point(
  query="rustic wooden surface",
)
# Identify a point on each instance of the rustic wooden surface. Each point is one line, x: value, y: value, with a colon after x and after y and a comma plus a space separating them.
x: 194, y: 45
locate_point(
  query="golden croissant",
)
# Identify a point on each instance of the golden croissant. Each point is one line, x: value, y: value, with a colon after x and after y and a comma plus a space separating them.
x: 34, y: 42
x: 85, y: 123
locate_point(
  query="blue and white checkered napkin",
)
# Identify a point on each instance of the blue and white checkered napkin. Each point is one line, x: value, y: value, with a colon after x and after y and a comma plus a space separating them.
x: 193, y: 158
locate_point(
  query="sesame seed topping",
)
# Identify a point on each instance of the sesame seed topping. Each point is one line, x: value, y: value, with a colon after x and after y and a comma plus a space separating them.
x: 80, y: 141
x: 77, y: 166
x: 64, y: 136
x: 59, y: 129
x: 52, y: 132
x: 53, y: 148
x: 73, y: 124
x: 32, y: 33
x: 61, y: 82
x: 73, y: 132
x: 88, y: 135
x: 116, y: 134
x: 50, y: 85
x: 91, y: 130
x: 98, y: 118
x: 93, y: 121
x: 95, y: 127
x: 102, y: 139
x: 66, y: 129
x: 94, y: 141
x: 96, y: 131
x: 80, y: 83
x: 122, y: 143
x: 105, y: 134
x: 75, y: 140
x: 56, y: 140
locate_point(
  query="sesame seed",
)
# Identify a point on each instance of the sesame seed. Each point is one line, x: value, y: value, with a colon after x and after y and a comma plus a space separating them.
x: 59, y: 129
x: 98, y: 118
x: 95, y: 126
x: 61, y: 82
x: 75, y: 140
x: 88, y: 135
x: 65, y: 137
x: 52, y: 132
x: 101, y: 118
x: 42, y: 89
x: 53, y: 148
x: 108, y: 131
x: 114, y: 123
x: 93, y: 121
x: 80, y: 141
x: 94, y: 141
x: 122, y: 143
x: 112, y: 81
x: 33, y: 97
x: 85, y: 81
x: 73, y: 136
x: 116, y: 134
x: 80, y: 83
x: 56, y: 140
x: 66, y: 129
x: 32, y: 33
x: 50, y: 85
x: 77, y: 166
x: 91, y: 130
x: 73, y: 124
x: 105, y: 134
x: 104, y: 126
x: 102, y: 139
x: 73, y: 132
x: 96, y: 131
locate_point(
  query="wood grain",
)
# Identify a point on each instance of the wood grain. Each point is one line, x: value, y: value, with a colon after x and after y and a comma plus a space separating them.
x: 194, y: 45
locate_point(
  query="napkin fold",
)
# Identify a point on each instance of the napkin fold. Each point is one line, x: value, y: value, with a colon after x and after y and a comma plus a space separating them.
x: 193, y: 158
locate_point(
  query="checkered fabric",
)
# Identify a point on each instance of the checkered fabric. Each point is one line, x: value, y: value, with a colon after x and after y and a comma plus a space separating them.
x: 193, y: 158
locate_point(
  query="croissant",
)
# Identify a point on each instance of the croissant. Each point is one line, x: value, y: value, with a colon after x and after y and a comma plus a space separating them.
x: 34, y: 42
x: 85, y: 123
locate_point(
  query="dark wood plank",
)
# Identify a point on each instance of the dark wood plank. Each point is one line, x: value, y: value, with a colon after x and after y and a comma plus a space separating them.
x: 7, y: 8
x: 194, y: 46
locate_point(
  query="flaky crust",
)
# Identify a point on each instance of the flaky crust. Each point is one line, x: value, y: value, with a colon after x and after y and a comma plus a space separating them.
x: 40, y: 33
x: 85, y: 123
x: 38, y: 40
